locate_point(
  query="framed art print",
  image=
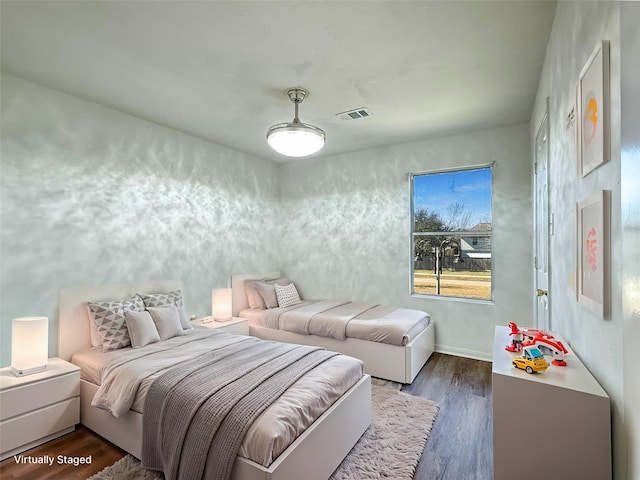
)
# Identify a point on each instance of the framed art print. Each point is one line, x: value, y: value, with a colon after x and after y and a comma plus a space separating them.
x: 593, y: 258
x: 593, y: 111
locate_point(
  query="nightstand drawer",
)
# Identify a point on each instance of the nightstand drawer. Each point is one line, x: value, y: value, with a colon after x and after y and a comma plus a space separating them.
x: 24, y: 429
x: 26, y: 398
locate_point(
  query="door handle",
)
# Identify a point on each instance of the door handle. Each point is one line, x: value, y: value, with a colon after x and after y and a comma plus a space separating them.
x: 541, y: 293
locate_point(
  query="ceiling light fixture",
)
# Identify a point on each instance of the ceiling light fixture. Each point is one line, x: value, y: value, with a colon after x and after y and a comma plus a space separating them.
x: 295, y: 139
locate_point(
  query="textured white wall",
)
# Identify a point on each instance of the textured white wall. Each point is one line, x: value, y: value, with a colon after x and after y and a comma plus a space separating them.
x: 577, y: 29
x: 93, y: 196
x: 630, y: 210
x: 346, y: 232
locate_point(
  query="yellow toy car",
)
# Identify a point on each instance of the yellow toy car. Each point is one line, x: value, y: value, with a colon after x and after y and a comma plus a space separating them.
x: 532, y: 360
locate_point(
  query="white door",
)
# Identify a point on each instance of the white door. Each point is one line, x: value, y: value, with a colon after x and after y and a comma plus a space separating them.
x: 541, y: 225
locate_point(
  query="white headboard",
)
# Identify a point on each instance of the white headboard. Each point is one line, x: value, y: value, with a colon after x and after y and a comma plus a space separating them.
x: 238, y: 296
x: 73, y: 321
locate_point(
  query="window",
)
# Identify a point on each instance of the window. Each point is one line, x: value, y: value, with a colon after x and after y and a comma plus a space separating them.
x: 451, y: 222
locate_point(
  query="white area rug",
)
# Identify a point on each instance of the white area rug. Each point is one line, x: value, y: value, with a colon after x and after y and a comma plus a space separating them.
x: 390, y: 448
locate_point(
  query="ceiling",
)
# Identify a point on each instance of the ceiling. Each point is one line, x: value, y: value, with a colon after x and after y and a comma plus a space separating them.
x: 220, y: 69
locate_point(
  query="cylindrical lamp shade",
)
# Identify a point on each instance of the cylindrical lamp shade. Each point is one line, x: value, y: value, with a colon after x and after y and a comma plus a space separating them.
x: 29, y: 345
x: 221, y: 303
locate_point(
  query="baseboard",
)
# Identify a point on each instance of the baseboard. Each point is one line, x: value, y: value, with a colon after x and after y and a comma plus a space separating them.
x: 463, y: 352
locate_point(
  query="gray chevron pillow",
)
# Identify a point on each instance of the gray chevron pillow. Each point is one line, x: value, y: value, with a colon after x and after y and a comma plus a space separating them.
x: 109, y: 320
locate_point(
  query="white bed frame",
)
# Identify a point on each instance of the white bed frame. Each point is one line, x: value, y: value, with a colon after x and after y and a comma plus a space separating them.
x: 391, y: 362
x: 317, y: 451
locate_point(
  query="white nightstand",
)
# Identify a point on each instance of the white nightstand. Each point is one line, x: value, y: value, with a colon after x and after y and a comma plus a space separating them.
x: 237, y: 326
x: 37, y: 408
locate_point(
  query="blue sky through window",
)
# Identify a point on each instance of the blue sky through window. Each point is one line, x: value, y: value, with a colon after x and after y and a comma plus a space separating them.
x: 471, y: 188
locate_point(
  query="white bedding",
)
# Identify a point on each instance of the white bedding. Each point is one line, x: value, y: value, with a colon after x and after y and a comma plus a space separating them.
x: 339, y: 319
x: 274, y: 430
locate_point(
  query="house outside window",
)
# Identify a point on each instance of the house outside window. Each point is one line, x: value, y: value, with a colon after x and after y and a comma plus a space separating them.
x: 451, y: 218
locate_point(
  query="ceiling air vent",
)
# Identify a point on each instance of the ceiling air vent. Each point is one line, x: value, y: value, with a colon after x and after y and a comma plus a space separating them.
x: 354, y: 114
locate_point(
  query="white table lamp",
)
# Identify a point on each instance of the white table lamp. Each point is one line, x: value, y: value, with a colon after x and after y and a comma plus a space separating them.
x: 221, y: 304
x: 29, y: 345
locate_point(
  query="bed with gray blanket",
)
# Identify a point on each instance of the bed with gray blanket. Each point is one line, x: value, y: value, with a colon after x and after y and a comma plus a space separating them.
x: 208, y: 404
x: 199, y: 411
x: 394, y: 343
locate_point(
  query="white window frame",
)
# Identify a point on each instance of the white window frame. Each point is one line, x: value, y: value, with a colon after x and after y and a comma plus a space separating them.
x: 433, y: 234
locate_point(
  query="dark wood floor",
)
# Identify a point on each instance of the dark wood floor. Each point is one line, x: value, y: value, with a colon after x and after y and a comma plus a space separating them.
x: 460, y: 444
x: 81, y: 443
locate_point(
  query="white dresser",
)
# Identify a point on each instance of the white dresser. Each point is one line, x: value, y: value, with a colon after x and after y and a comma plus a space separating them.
x: 554, y: 424
x: 37, y: 408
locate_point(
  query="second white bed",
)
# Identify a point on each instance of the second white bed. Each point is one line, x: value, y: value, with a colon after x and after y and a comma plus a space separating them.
x: 399, y: 363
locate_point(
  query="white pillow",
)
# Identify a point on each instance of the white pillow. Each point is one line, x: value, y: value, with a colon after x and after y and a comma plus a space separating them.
x: 268, y: 294
x: 287, y: 295
x: 170, y: 299
x: 253, y: 297
x: 167, y: 320
x: 142, y: 328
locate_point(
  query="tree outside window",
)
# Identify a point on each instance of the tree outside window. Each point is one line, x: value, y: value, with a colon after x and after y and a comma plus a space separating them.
x: 451, y: 233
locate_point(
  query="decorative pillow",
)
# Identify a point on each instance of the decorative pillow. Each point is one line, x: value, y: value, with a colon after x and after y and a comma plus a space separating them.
x: 268, y: 294
x: 96, y: 340
x: 109, y: 321
x: 253, y: 297
x: 287, y: 295
x: 142, y: 328
x: 170, y: 299
x: 267, y: 291
x: 167, y: 321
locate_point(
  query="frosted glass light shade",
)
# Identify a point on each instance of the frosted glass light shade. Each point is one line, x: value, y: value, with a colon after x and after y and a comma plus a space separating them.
x: 29, y: 345
x: 295, y: 139
x: 221, y: 303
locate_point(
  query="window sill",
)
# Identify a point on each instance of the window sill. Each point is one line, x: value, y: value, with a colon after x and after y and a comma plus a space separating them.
x: 454, y: 299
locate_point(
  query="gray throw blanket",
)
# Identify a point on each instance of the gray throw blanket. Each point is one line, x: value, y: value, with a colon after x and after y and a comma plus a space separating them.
x: 197, y: 413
